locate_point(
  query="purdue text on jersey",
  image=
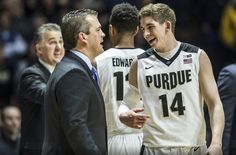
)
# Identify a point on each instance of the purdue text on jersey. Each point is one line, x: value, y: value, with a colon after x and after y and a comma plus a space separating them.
x: 169, y: 80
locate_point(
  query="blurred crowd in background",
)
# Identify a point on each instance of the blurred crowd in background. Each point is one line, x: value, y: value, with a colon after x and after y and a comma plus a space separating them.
x: 210, y: 25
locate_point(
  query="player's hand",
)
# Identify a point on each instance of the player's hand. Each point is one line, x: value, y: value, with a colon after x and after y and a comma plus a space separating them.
x: 214, y: 149
x: 134, y: 118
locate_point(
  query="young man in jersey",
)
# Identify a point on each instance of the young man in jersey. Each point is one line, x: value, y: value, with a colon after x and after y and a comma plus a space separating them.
x: 113, y: 67
x: 174, y: 79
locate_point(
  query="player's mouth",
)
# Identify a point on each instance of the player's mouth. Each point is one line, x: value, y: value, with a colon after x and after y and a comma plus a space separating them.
x: 151, y: 41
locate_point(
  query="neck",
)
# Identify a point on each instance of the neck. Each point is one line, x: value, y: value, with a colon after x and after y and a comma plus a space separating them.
x: 88, y: 54
x: 11, y: 136
x: 85, y: 52
x: 172, y: 44
x: 126, y: 41
x: 167, y: 45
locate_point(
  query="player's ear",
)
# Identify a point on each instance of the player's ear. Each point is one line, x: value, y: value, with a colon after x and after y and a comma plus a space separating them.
x: 112, y: 30
x: 136, y: 31
x: 168, y: 25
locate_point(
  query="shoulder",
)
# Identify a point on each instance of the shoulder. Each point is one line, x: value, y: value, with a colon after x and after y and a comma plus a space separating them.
x: 106, y: 54
x: 186, y: 47
x: 226, y: 79
x: 35, y: 69
x: 149, y: 52
x: 140, y: 51
x: 69, y: 63
x: 66, y: 66
x: 230, y: 69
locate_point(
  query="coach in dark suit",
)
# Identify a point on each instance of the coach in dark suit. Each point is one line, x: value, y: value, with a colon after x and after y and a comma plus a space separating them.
x: 227, y: 89
x: 74, y: 108
x: 32, y: 87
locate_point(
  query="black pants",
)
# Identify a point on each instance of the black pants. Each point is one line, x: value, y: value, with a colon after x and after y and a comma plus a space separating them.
x: 30, y: 152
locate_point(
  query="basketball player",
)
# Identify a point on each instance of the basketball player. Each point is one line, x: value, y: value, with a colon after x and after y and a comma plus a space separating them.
x: 113, y: 67
x: 173, y: 78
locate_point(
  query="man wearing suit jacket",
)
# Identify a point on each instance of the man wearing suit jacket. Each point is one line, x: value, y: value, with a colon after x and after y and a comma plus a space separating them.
x: 32, y: 87
x: 74, y: 108
x: 226, y: 85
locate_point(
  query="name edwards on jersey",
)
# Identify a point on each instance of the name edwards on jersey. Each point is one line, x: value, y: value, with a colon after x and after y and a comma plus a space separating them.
x: 169, y: 80
x: 120, y: 62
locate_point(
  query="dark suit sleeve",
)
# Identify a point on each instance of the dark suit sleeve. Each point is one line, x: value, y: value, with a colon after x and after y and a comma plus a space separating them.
x: 73, y: 94
x: 32, y: 87
x: 226, y: 85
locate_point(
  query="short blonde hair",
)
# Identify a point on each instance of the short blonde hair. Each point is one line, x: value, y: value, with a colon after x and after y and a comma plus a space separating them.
x: 159, y: 12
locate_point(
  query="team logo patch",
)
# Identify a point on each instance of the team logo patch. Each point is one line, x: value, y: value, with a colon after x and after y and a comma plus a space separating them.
x: 188, y: 59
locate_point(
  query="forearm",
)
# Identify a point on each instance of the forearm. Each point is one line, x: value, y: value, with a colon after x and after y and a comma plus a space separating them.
x: 130, y: 105
x: 132, y: 98
x: 217, y: 121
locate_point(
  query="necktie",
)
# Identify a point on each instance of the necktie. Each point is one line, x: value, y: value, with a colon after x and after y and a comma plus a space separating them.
x: 95, y: 75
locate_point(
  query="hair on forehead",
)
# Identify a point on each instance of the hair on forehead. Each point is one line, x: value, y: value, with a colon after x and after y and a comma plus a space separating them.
x: 39, y: 34
x: 78, y: 14
x: 160, y: 12
x: 73, y: 23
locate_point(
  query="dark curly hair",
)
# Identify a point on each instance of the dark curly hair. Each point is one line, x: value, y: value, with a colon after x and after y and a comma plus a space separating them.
x: 124, y: 17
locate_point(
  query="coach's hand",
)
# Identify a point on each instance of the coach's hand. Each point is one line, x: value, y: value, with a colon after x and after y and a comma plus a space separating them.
x: 134, y: 118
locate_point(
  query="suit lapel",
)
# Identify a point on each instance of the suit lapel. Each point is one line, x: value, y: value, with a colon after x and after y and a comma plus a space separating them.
x: 80, y: 62
x: 77, y: 60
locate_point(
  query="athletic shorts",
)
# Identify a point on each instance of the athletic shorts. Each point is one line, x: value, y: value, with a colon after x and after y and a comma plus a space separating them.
x: 126, y: 144
x: 200, y: 150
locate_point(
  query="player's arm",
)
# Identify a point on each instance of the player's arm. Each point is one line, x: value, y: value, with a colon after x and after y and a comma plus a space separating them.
x: 133, y: 73
x: 132, y: 118
x: 210, y: 93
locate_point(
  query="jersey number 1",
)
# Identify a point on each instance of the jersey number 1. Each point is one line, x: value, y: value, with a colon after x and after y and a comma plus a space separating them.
x: 177, y: 104
x: 120, y: 85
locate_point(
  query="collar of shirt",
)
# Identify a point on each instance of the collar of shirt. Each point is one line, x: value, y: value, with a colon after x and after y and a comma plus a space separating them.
x: 171, y: 53
x: 84, y: 58
x: 48, y: 66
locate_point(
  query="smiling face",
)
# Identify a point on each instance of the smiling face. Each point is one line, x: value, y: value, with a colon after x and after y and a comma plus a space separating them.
x: 154, y: 32
x: 51, y: 49
x: 157, y: 22
x: 95, y: 36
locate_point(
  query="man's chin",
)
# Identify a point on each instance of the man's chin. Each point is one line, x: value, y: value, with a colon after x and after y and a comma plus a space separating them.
x: 101, y: 51
x: 58, y: 60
